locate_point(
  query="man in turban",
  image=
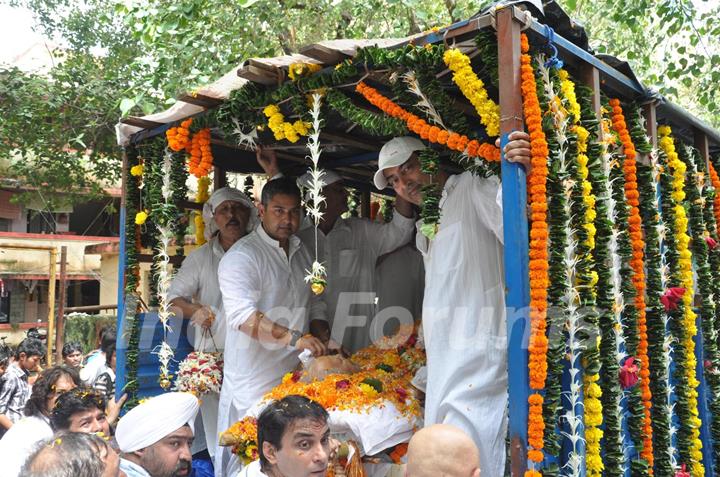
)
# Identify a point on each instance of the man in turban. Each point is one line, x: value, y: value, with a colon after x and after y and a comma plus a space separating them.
x: 155, y: 437
x: 229, y: 215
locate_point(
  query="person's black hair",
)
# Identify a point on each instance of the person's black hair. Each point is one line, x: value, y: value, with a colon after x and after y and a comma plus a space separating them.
x: 278, y: 416
x: 109, y: 338
x: 70, y: 348
x: 31, y: 347
x: 45, y: 386
x: 71, y: 402
x: 5, y: 353
x: 67, y: 454
x: 282, y: 185
x: 109, y: 352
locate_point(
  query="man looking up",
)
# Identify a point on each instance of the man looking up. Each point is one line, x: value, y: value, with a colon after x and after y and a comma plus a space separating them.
x: 464, y: 304
x: 81, y: 409
x: 293, y: 440
x: 269, y: 309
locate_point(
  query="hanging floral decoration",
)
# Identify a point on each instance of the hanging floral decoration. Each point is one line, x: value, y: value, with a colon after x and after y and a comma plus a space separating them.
x: 434, y: 134
x: 201, y: 160
x: 203, y: 194
x: 538, y: 256
x: 715, y: 181
x: 300, y: 70
x: 683, y: 322
x: 474, y: 90
x: 178, y: 137
x: 430, y: 210
x: 283, y: 129
x: 316, y: 276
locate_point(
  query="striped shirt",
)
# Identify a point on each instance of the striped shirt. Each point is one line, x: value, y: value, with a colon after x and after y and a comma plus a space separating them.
x: 14, y: 393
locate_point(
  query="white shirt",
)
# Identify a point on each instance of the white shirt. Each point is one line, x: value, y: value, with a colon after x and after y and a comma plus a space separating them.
x: 253, y: 469
x: 197, y: 281
x: 349, y: 253
x: 132, y: 469
x: 20, y: 441
x: 95, y: 366
x: 256, y: 275
x: 464, y: 317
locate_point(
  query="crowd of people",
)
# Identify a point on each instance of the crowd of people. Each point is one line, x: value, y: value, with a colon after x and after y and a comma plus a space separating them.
x: 246, y: 293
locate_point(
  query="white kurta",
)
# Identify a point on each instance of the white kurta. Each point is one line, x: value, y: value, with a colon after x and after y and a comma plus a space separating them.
x: 197, y: 281
x: 257, y: 275
x: 349, y: 253
x: 19, y: 442
x: 464, y: 317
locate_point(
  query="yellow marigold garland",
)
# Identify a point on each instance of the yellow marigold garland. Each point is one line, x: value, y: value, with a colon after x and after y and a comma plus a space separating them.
x: 538, y: 257
x: 593, y: 407
x: 201, y: 197
x: 678, y: 168
x: 283, y: 129
x: 474, y: 90
x: 593, y: 421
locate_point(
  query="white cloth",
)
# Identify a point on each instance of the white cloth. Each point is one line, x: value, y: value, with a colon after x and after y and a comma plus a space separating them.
x: 464, y: 317
x: 252, y: 470
x: 20, y: 441
x: 349, y: 253
x: 132, y: 469
x: 257, y: 275
x: 95, y: 366
x: 197, y: 281
x: 217, y: 198
x: 154, y: 419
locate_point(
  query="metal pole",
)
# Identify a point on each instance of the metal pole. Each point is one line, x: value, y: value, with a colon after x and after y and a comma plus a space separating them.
x: 61, y: 305
x: 51, y: 306
x: 517, y: 281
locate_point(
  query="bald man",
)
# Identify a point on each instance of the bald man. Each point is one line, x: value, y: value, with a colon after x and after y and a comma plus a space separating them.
x: 442, y: 450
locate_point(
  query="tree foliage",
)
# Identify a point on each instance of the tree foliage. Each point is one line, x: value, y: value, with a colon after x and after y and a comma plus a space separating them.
x: 135, y: 56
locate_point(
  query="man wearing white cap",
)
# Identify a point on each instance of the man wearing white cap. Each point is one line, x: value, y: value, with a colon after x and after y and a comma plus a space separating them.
x: 229, y: 215
x: 155, y: 437
x: 464, y: 307
x: 348, y: 249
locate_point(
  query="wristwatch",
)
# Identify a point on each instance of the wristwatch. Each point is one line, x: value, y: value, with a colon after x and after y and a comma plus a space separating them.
x: 295, y: 335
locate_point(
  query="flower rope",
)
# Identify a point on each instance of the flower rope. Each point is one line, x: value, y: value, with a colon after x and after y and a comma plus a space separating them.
x: 689, y: 444
x: 538, y: 266
x: 638, y: 277
x: 473, y: 89
x: 283, y: 129
x: 434, y: 134
x: 203, y: 194
x: 201, y: 158
x: 316, y: 276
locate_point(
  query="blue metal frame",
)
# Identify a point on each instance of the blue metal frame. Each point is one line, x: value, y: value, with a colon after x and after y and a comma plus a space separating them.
x: 517, y: 299
x: 122, y: 339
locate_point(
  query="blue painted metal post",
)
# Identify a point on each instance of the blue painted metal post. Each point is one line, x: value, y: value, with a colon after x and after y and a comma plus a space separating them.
x: 703, y: 411
x: 516, y: 240
x: 122, y: 339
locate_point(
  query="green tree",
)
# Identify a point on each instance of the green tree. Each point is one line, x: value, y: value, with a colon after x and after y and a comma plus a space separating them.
x: 136, y: 56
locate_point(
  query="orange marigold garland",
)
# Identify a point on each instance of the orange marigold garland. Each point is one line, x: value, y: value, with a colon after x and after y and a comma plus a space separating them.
x: 637, y: 263
x: 435, y: 134
x: 716, y: 185
x: 538, y: 256
x: 201, y: 159
x: 178, y: 137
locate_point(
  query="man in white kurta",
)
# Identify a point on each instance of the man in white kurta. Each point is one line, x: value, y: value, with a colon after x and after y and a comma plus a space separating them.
x: 349, y: 248
x: 262, y: 279
x: 464, y: 306
x: 195, y: 292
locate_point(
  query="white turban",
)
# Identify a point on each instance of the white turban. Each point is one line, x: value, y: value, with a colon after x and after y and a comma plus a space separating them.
x: 220, y: 196
x: 154, y: 419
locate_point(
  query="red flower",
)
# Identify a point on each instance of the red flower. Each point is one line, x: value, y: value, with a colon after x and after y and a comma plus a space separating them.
x: 296, y: 376
x: 402, y: 393
x: 682, y: 472
x: 629, y: 373
x: 671, y: 297
x: 342, y: 384
x: 411, y: 340
x: 711, y: 242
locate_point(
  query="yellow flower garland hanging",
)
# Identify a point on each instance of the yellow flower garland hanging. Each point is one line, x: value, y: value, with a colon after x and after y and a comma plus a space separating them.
x: 678, y: 168
x: 474, y: 90
x: 283, y: 129
x: 201, y: 197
